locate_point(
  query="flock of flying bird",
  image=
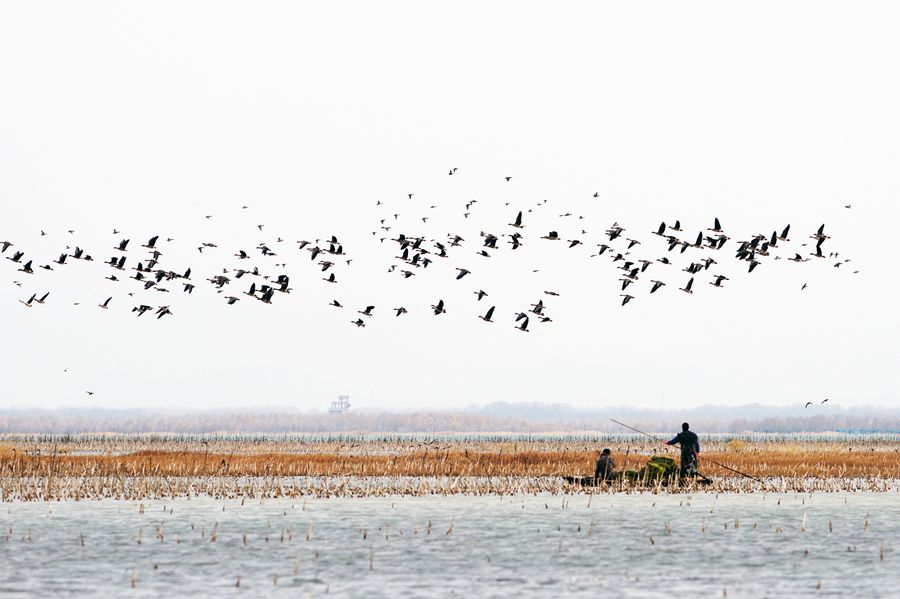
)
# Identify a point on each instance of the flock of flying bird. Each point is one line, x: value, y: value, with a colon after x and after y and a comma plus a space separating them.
x: 417, y: 251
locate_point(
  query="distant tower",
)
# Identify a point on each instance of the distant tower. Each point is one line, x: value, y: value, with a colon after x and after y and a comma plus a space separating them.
x: 341, y: 405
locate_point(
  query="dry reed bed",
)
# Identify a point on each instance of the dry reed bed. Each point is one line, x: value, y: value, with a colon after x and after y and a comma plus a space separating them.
x: 141, y: 467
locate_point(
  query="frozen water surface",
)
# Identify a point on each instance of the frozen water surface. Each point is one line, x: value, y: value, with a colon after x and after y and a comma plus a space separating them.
x: 639, y: 545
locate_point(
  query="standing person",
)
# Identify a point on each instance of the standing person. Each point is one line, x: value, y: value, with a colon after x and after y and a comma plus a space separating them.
x: 690, y: 447
x: 606, y: 467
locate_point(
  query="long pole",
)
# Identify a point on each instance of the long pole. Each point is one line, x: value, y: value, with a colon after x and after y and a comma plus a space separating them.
x: 705, y: 458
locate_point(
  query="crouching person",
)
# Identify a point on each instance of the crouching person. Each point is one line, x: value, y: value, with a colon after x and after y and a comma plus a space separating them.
x: 606, y: 467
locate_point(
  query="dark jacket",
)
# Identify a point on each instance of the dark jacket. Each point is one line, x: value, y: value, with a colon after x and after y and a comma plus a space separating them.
x: 606, y: 467
x: 690, y: 444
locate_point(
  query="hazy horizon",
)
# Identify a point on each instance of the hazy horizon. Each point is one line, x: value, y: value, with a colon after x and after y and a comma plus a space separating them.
x: 491, y: 418
x: 789, y: 408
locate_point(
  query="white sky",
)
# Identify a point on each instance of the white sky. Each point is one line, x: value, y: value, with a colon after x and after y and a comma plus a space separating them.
x: 147, y: 116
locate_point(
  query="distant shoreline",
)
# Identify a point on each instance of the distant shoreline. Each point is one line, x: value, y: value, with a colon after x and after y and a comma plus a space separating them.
x: 492, y: 419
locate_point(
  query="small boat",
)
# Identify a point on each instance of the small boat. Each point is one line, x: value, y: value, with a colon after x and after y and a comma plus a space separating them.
x: 658, y: 469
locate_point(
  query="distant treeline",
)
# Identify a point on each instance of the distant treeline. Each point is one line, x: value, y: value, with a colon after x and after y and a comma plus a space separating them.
x: 213, y: 421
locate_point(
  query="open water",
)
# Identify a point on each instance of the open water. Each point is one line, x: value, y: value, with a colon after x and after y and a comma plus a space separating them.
x: 612, y: 545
